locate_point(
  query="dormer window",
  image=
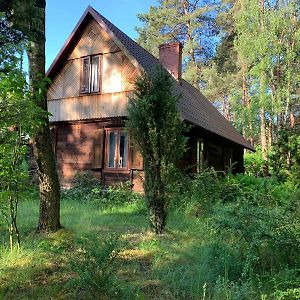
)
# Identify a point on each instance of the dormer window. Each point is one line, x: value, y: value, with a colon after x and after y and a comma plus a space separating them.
x: 90, y: 80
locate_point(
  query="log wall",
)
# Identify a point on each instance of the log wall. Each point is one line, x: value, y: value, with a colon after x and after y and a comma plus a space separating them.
x: 74, y: 145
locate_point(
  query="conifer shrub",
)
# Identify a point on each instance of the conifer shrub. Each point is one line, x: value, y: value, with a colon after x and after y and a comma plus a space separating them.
x: 156, y: 130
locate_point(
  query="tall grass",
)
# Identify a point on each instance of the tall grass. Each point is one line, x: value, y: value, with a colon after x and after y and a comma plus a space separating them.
x: 227, y: 238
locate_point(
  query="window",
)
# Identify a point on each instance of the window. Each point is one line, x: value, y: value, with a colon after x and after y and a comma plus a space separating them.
x: 200, y: 155
x: 227, y: 159
x: 90, y: 81
x: 117, y: 149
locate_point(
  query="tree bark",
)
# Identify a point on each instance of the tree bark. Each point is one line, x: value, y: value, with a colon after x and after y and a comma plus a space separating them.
x: 247, y: 101
x: 263, y: 136
x: 155, y: 197
x: 49, y: 216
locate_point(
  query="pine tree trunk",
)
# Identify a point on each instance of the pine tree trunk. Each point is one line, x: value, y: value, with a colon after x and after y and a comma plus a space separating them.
x: 229, y: 109
x: 263, y: 125
x: 263, y: 141
x: 49, y: 217
x: 224, y: 109
x: 247, y: 100
x: 270, y: 133
x: 263, y: 136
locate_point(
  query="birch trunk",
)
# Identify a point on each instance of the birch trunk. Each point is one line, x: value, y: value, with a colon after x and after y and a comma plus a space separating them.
x: 247, y: 100
x: 263, y: 137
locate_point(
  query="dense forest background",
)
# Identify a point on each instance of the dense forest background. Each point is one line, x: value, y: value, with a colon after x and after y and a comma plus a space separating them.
x: 244, y: 56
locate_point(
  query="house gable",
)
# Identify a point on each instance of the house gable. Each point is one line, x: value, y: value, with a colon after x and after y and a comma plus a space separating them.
x: 117, y: 76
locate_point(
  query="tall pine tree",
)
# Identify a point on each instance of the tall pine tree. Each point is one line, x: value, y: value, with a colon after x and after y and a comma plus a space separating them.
x: 190, y: 22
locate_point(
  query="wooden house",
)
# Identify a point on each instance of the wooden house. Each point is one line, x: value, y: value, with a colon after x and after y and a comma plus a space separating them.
x: 92, y: 77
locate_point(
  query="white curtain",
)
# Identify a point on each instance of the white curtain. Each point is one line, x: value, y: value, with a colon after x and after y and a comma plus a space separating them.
x: 95, y: 74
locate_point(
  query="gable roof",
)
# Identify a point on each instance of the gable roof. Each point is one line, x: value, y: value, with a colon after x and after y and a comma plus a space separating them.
x: 193, y: 106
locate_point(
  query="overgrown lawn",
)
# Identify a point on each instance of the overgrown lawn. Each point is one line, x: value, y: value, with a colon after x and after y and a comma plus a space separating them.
x: 105, y: 251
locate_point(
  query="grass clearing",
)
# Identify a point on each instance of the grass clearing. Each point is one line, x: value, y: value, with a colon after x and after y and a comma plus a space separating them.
x: 148, y: 266
x: 105, y: 251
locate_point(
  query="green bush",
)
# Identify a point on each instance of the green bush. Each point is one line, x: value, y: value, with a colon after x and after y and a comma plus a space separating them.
x: 87, y: 188
x: 83, y: 185
x: 253, y: 233
x: 197, y: 195
x: 285, y: 157
x: 253, y: 163
x: 94, y: 267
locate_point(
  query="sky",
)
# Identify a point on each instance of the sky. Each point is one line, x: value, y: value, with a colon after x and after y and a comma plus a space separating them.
x: 63, y: 15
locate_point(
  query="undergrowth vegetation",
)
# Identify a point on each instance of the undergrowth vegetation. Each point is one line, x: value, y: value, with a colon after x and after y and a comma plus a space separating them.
x: 228, y: 237
x: 255, y: 227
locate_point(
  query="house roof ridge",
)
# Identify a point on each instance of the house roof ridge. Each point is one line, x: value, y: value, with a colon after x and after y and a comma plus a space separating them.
x: 127, y: 36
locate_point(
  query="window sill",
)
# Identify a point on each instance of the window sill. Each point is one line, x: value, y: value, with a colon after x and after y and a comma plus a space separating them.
x: 89, y: 93
x: 108, y: 170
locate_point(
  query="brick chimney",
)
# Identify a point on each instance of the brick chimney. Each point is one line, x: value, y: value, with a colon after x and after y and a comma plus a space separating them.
x: 170, y: 55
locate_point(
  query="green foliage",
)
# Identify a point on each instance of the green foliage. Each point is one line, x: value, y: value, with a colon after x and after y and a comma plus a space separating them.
x: 95, y: 267
x: 11, y: 43
x: 86, y: 188
x: 255, y: 87
x: 285, y: 157
x: 245, y: 246
x: 19, y: 118
x: 259, y: 218
x: 156, y: 130
x: 253, y: 163
x: 121, y: 194
x: 199, y: 193
x: 190, y: 22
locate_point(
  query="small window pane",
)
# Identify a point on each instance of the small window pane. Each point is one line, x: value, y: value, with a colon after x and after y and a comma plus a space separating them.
x: 112, y: 142
x: 200, y: 155
x: 123, y: 151
x: 85, y: 75
x: 95, y: 74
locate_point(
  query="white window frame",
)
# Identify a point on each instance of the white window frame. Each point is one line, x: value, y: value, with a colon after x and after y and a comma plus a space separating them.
x: 117, y: 158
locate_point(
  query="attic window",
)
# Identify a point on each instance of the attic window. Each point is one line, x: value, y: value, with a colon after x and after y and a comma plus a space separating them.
x: 90, y: 80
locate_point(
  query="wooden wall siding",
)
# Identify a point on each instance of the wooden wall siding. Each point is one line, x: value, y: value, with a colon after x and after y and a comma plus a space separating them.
x: 56, y: 89
x: 71, y: 78
x: 118, y: 73
x: 75, y: 153
x: 88, y: 107
x: 67, y: 82
x: 113, y: 178
x: 93, y: 40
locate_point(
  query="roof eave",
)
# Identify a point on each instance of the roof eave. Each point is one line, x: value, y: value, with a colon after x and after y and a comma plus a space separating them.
x: 66, y: 47
x: 88, y: 14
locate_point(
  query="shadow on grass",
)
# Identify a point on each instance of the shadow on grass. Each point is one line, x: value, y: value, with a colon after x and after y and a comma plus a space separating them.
x: 39, y: 270
x: 42, y: 268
